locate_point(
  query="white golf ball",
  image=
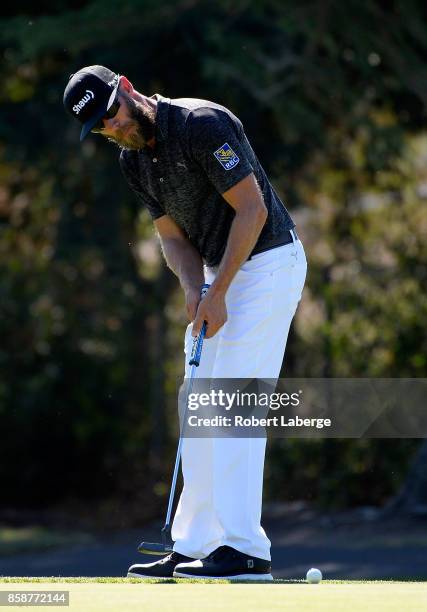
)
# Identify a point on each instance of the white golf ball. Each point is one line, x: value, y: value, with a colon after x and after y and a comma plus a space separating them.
x: 314, y: 575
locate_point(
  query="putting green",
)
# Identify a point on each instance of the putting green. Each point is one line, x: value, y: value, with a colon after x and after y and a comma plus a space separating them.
x: 126, y: 595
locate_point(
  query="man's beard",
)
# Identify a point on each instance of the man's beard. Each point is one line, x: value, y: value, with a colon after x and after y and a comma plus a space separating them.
x: 141, y: 126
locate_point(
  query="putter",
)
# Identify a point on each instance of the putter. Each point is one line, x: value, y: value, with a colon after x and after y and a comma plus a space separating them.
x: 166, y: 545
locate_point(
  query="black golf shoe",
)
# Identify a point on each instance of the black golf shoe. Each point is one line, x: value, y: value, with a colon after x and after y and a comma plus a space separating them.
x: 225, y: 563
x: 159, y: 569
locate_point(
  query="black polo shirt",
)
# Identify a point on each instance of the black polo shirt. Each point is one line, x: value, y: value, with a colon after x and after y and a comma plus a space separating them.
x: 201, y: 151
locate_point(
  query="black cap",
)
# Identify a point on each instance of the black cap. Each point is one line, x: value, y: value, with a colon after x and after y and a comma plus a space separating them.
x: 89, y: 94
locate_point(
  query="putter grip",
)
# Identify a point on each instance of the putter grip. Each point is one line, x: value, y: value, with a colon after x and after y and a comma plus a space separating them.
x: 196, y: 351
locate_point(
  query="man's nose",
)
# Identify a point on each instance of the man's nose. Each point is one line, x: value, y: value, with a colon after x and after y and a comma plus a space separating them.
x: 111, y: 124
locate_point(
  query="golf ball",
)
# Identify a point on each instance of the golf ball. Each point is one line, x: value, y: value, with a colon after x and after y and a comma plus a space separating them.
x: 314, y: 575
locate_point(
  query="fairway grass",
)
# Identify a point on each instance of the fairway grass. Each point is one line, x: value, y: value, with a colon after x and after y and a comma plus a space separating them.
x: 129, y: 595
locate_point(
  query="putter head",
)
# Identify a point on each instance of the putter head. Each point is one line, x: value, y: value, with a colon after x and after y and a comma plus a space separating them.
x: 154, y: 548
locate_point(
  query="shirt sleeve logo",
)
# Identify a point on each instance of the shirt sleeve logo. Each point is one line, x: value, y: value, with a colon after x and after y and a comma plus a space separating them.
x: 227, y: 157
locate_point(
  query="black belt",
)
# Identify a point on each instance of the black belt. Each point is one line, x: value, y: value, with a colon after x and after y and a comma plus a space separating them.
x: 284, y: 238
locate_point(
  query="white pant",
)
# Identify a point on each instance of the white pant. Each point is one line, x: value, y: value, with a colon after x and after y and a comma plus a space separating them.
x: 222, y: 496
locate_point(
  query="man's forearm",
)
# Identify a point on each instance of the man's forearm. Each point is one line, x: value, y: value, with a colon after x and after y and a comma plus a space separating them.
x: 244, y: 232
x: 184, y: 261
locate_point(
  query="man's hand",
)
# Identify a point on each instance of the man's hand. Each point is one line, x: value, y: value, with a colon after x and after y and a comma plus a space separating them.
x: 213, y: 310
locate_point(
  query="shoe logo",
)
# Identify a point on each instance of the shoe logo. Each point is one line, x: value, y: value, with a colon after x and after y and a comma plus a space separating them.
x: 250, y: 564
x: 87, y: 98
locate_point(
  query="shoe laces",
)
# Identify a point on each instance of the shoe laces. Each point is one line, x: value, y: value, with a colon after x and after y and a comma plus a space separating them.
x: 173, y: 556
x: 220, y: 553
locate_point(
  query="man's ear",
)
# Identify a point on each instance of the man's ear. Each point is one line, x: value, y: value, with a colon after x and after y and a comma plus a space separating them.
x: 126, y: 85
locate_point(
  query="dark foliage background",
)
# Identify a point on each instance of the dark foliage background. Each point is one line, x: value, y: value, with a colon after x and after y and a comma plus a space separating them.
x: 333, y: 98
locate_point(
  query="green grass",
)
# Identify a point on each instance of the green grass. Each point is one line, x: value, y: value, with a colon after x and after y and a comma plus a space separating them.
x: 131, y: 595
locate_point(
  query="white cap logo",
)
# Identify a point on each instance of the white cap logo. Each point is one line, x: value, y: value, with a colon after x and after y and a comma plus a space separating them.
x: 89, y: 96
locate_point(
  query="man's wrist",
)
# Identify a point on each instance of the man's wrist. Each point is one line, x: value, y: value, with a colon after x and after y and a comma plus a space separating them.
x: 189, y: 286
x: 219, y: 287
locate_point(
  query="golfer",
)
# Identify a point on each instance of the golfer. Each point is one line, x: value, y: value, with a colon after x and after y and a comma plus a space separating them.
x: 219, y: 221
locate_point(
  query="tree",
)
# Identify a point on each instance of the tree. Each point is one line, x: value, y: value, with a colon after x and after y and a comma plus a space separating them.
x: 332, y: 97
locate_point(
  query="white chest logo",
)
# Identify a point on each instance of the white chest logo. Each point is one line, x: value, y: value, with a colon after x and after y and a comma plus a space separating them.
x: 89, y: 96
